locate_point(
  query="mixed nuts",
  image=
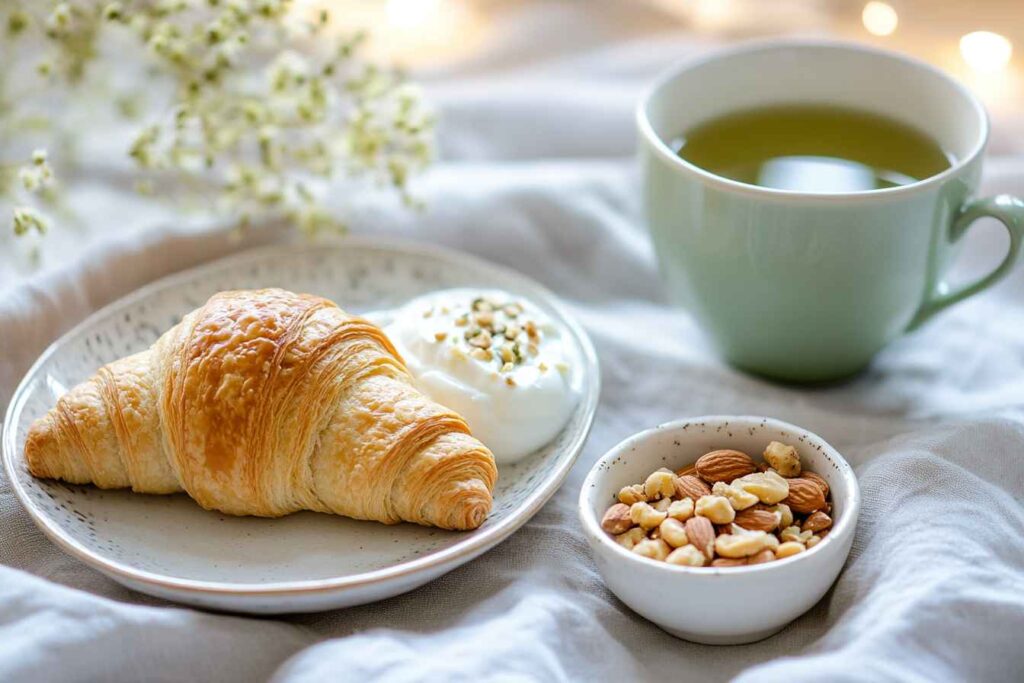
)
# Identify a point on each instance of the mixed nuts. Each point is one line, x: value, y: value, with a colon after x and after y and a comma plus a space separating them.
x: 725, y: 510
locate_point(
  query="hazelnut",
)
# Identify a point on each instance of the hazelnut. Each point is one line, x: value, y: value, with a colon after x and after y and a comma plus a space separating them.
x: 681, y: 509
x: 687, y: 556
x: 769, y: 487
x: 737, y: 497
x: 789, y: 548
x: 785, y: 512
x: 729, y: 562
x: 673, y: 532
x: 744, y: 545
x: 646, y: 516
x: 662, y: 505
x: 659, y: 485
x: 716, y: 508
x: 632, y: 494
x: 783, y: 458
x: 765, y: 555
x: 793, y: 533
x: 631, y: 538
x: 654, y: 549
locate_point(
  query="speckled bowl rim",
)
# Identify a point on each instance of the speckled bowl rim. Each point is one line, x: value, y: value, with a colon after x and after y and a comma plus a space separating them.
x: 845, y: 527
x: 469, y: 547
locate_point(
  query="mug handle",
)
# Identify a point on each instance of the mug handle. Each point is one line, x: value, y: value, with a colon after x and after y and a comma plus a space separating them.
x: 1009, y: 211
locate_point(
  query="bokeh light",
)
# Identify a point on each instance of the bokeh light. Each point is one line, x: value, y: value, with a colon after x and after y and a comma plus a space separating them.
x: 986, y: 51
x: 879, y: 18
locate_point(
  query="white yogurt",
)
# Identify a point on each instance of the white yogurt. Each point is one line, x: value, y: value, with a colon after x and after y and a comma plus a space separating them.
x: 494, y: 358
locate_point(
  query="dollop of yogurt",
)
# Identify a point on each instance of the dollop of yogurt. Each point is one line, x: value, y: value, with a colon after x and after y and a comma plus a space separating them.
x: 493, y: 357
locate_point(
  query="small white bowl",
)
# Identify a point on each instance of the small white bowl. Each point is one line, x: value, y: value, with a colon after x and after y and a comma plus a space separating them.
x: 721, y: 605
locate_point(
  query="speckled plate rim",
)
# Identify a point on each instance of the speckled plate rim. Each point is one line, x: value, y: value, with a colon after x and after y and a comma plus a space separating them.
x: 468, y: 548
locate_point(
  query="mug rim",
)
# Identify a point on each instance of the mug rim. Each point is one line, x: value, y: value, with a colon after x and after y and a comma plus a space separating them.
x: 661, y: 148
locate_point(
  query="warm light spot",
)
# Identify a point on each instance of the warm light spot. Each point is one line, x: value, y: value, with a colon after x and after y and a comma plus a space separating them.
x: 713, y: 14
x: 879, y: 18
x: 410, y: 15
x: 986, y: 51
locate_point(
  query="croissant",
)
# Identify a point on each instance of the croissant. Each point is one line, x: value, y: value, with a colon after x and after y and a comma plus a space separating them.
x: 265, y: 402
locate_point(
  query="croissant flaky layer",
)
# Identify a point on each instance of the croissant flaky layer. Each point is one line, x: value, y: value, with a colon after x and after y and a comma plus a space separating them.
x: 266, y: 402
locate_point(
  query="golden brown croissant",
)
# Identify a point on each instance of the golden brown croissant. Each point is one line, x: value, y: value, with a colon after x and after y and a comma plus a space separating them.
x: 267, y: 402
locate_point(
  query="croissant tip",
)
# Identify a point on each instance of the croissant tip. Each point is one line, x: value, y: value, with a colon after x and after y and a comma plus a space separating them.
x: 39, y: 441
x: 477, y: 516
x: 471, y: 515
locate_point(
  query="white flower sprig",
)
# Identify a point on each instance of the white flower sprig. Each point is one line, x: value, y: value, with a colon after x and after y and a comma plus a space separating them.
x: 259, y: 102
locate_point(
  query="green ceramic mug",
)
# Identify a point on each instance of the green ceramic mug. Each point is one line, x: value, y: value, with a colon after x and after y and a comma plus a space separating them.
x: 808, y: 287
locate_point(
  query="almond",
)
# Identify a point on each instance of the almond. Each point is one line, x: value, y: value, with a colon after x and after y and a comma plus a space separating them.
x: 701, y: 534
x: 729, y: 562
x: 816, y: 522
x: 689, y: 486
x: 805, y: 496
x: 689, y: 469
x: 817, y: 479
x: 617, y: 520
x: 724, y: 465
x: 757, y: 520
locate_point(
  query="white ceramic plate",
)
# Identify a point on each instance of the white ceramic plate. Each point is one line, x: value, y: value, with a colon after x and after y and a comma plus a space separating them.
x: 169, y: 547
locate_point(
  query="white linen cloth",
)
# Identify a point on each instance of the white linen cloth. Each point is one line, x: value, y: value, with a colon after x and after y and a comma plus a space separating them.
x: 537, y: 174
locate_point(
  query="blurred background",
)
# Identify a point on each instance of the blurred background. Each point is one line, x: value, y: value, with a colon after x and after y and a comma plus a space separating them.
x: 975, y: 41
x: 549, y: 82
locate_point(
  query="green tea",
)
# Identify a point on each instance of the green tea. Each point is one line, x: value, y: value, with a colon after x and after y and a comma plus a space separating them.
x: 812, y: 148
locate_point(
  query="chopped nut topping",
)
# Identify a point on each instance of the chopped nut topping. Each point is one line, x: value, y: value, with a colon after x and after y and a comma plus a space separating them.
x: 492, y: 330
x: 506, y: 353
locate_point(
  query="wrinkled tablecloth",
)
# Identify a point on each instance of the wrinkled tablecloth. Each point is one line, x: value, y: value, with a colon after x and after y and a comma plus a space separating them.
x: 536, y: 173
